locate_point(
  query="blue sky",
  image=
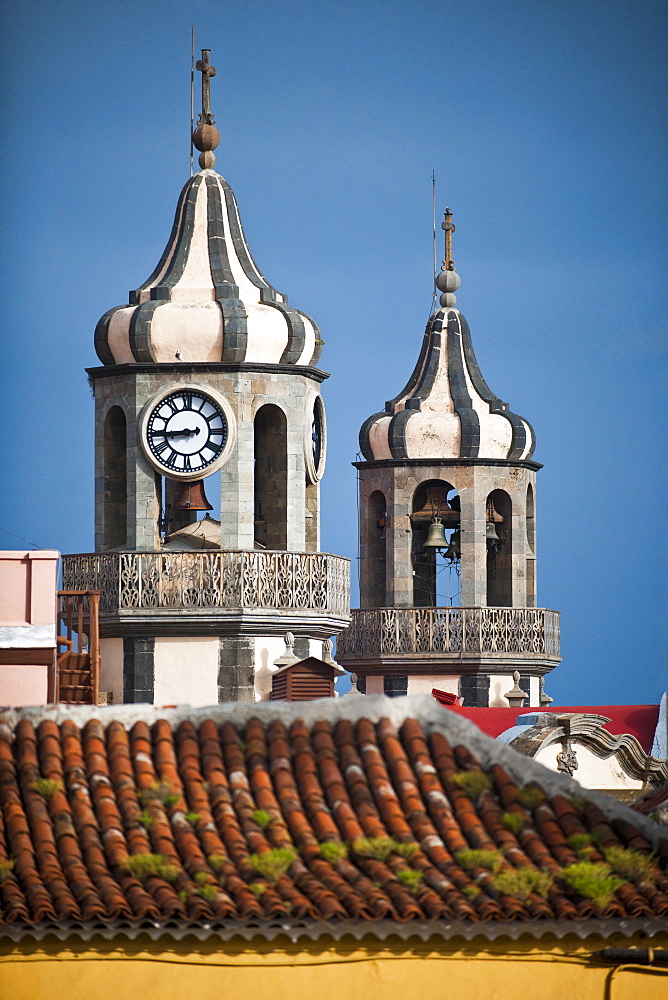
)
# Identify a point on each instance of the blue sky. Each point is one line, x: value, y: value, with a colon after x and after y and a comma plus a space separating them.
x: 545, y: 124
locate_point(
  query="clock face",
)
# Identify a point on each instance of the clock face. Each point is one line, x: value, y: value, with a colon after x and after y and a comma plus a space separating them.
x: 315, y: 437
x: 185, y: 433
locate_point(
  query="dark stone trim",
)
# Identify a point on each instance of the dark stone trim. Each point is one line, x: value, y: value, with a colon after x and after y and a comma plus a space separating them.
x: 395, y: 685
x: 365, y: 447
x: 236, y: 670
x: 235, y: 319
x: 140, y: 330
x: 474, y: 690
x: 302, y: 647
x: 431, y: 364
x: 221, y: 271
x: 134, y: 295
x: 417, y: 371
x: 418, y: 463
x: 138, y: 670
x: 177, y: 265
x: 250, y: 268
x: 319, y: 342
x: 444, y: 665
x: 268, y: 294
x: 396, y: 432
x: 205, y: 367
x: 102, y: 348
x: 468, y: 418
x: 296, y: 333
x: 496, y: 405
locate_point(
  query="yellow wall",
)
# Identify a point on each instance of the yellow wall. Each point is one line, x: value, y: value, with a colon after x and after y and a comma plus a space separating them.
x: 345, y: 971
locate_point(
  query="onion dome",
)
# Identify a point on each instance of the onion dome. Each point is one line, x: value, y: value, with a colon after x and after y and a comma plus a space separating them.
x: 446, y: 410
x: 207, y: 300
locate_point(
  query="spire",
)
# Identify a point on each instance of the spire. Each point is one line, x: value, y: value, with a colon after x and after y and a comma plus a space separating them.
x: 446, y: 410
x: 448, y: 281
x: 206, y: 136
x: 206, y: 300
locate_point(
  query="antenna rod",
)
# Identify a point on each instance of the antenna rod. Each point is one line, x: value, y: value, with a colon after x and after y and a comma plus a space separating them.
x: 192, y: 92
x: 433, y: 213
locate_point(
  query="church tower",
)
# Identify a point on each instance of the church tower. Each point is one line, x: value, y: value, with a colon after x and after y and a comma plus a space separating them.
x: 207, y: 370
x: 448, y: 493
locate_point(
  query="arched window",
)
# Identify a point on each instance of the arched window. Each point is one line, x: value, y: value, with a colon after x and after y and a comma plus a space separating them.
x: 373, y: 542
x: 499, y: 534
x: 271, y: 478
x: 115, y: 480
x: 434, y: 498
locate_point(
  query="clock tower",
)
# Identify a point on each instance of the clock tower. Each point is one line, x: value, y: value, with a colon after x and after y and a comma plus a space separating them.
x: 208, y: 381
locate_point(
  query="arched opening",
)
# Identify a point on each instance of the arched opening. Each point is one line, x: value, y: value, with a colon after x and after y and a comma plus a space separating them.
x: 435, y: 578
x: 271, y: 478
x: 531, y: 548
x: 499, y: 528
x: 115, y: 479
x: 374, y: 551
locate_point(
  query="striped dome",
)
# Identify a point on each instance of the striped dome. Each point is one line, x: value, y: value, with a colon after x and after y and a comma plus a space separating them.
x: 447, y: 410
x: 207, y: 301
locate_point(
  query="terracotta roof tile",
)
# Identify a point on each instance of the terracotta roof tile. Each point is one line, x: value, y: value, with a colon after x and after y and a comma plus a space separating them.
x: 335, y: 813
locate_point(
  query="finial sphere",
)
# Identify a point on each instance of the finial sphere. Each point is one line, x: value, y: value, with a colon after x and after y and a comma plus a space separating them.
x: 448, y: 281
x: 206, y: 137
x: 207, y: 160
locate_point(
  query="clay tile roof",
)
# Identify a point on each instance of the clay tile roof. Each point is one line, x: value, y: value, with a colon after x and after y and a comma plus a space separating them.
x: 352, y: 816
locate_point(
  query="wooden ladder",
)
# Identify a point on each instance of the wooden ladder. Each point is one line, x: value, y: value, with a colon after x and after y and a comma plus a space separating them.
x: 77, y: 679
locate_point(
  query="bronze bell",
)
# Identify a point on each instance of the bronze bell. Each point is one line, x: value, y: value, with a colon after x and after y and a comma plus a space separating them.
x: 490, y: 533
x: 192, y: 497
x: 436, y: 538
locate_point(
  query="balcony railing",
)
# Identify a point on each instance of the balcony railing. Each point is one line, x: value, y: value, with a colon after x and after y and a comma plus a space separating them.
x: 451, y: 630
x: 212, y: 580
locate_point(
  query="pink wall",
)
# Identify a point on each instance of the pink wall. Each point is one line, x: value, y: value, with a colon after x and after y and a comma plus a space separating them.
x: 28, y: 587
x: 27, y: 625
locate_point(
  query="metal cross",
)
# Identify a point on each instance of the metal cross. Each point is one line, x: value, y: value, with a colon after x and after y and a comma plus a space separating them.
x: 204, y: 67
x: 449, y: 228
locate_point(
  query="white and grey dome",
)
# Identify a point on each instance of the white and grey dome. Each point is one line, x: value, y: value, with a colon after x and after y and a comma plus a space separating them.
x: 207, y: 301
x: 446, y: 410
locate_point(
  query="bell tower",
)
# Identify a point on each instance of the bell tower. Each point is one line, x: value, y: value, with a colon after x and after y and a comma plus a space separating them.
x: 208, y: 380
x: 447, y: 495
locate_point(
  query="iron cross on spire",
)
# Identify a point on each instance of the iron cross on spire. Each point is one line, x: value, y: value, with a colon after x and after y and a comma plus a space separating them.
x: 449, y: 228
x: 204, y: 67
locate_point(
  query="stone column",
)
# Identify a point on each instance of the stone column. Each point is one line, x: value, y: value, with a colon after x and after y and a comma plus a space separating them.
x: 236, y: 673
x: 143, y: 504
x: 399, y: 544
x: 519, y: 543
x: 296, y: 527
x: 474, y: 548
x: 237, y: 506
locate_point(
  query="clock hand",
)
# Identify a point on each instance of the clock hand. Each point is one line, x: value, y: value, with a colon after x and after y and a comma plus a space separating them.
x: 184, y: 430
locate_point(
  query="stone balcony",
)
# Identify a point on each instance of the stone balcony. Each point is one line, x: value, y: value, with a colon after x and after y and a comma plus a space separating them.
x: 450, y: 640
x: 214, y: 593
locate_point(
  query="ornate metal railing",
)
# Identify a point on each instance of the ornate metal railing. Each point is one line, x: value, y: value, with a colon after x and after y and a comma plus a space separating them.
x: 212, y: 580
x: 451, y: 630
